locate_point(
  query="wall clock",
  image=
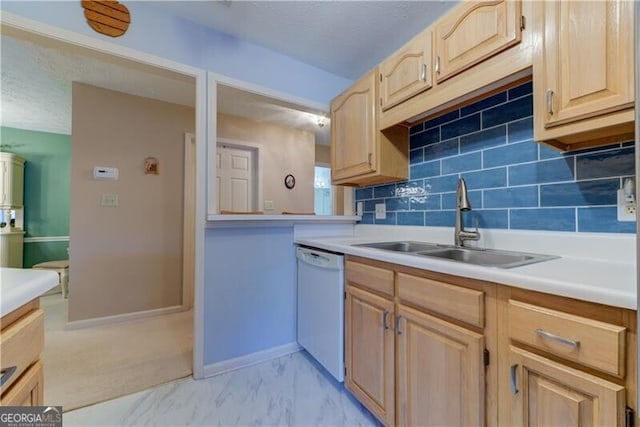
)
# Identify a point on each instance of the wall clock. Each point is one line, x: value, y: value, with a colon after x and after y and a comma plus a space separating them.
x: 289, y: 181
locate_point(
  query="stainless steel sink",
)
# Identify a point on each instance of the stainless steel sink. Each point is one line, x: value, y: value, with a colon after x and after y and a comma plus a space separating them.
x: 403, y: 246
x: 486, y: 257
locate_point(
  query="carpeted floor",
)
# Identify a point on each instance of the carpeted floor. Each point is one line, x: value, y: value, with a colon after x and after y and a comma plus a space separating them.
x: 86, y: 366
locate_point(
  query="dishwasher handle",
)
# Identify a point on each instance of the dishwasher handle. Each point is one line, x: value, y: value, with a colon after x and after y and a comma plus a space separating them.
x: 320, y: 259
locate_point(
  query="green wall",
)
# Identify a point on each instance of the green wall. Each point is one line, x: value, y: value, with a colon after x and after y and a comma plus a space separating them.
x: 46, y: 189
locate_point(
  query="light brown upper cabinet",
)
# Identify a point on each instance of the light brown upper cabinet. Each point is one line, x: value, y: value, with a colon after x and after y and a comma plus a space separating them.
x: 478, y: 47
x: 583, y: 73
x: 407, y: 72
x: 360, y: 153
x: 474, y: 32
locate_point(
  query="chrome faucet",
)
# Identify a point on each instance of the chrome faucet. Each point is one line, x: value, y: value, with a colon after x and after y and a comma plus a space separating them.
x: 463, y: 205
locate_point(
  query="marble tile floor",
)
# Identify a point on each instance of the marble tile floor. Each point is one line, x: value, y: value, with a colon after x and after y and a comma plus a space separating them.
x: 292, y: 390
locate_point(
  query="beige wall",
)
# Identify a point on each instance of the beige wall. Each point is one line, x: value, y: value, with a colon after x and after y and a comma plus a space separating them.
x: 323, y: 154
x: 284, y: 151
x: 126, y: 258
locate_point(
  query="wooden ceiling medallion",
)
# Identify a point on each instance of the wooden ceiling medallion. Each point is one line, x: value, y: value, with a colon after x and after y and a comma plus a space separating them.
x: 107, y: 17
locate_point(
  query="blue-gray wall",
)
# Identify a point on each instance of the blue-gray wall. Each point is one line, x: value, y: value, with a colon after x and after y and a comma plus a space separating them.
x: 514, y: 182
x: 251, y: 291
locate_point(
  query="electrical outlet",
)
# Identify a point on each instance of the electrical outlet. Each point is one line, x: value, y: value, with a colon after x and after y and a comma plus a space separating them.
x: 626, y: 211
x: 381, y: 211
x: 359, y: 208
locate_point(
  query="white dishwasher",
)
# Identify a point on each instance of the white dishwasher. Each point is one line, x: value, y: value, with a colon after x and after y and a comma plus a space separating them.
x: 321, y: 307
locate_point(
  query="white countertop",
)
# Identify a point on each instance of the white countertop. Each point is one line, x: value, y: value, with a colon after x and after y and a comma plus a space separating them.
x: 18, y: 286
x: 239, y: 219
x: 609, y: 281
x: 216, y: 220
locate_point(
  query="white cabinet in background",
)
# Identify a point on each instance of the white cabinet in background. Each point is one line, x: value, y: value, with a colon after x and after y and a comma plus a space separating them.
x: 11, y: 181
x: 11, y: 248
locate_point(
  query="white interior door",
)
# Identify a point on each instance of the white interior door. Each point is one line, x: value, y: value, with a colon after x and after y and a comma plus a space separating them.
x: 235, y: 178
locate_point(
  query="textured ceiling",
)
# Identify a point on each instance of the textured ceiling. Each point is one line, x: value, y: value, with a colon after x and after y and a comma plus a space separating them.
x: 346, y: 38
x: 36, y: 83
x: 37, y: 76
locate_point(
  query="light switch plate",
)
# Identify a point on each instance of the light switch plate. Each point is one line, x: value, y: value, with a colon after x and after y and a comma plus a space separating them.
x: 359, y: 209
x: 268, y: 205
x: 109, y: 200
x: 381, y: 211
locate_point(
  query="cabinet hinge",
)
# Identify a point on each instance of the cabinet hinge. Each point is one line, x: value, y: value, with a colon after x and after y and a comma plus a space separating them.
x: 486, y: 357
x: 629, y: 417
x: 523, y: 23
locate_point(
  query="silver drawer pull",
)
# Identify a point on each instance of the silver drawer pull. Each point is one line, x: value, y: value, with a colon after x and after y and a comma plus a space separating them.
x: 549, y: 101
x: 6, y: 374
x: 514, y: 379
x: 553, y: 337
x: 385, y: 319
x: 423, y: 75
x: 398, y: 331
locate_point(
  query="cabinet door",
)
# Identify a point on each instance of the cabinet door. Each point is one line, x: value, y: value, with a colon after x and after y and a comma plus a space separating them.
x: 11, y: 181
x: 407, y: 72
x: 546, y: 393
x: 474, y: 32
x: 441, y: 378
x: 369, y: 352
x: 353, y: 130
x: 27, y: 391
x: 586, y: 64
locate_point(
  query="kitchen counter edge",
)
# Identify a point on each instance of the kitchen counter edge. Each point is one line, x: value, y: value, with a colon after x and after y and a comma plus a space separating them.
x: 602, y: 282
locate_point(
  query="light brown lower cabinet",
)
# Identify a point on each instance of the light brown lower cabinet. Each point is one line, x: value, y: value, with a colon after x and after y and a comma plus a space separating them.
x: 28, y: 391
x: 369, y: 351
x: 546, y: 393
x: 440, y: 372
x: 432, y: 349
x: 21, y: 342
x: 408, y: 366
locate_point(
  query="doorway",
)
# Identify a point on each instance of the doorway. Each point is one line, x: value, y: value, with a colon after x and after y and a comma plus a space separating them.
x: 237, y: 177
x: 113, y: 329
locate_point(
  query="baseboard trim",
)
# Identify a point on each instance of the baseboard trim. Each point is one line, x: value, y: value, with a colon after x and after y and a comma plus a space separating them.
x: 98, y: 321
x: 250, y: 359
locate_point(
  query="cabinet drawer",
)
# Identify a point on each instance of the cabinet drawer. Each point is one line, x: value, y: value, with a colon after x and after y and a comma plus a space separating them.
x: 590, y: 342
x: 20, y: 345
x: 466, y: 305
x: 28, y: 390
x: 370, y: 277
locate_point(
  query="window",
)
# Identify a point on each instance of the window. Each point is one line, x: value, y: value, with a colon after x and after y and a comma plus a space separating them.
x: 322, y: 191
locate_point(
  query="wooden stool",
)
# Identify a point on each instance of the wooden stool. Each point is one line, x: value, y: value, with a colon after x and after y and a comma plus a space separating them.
x: 62, y: 268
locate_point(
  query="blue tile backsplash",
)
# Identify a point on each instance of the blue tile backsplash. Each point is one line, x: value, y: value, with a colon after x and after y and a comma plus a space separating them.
x: 513, y: 182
